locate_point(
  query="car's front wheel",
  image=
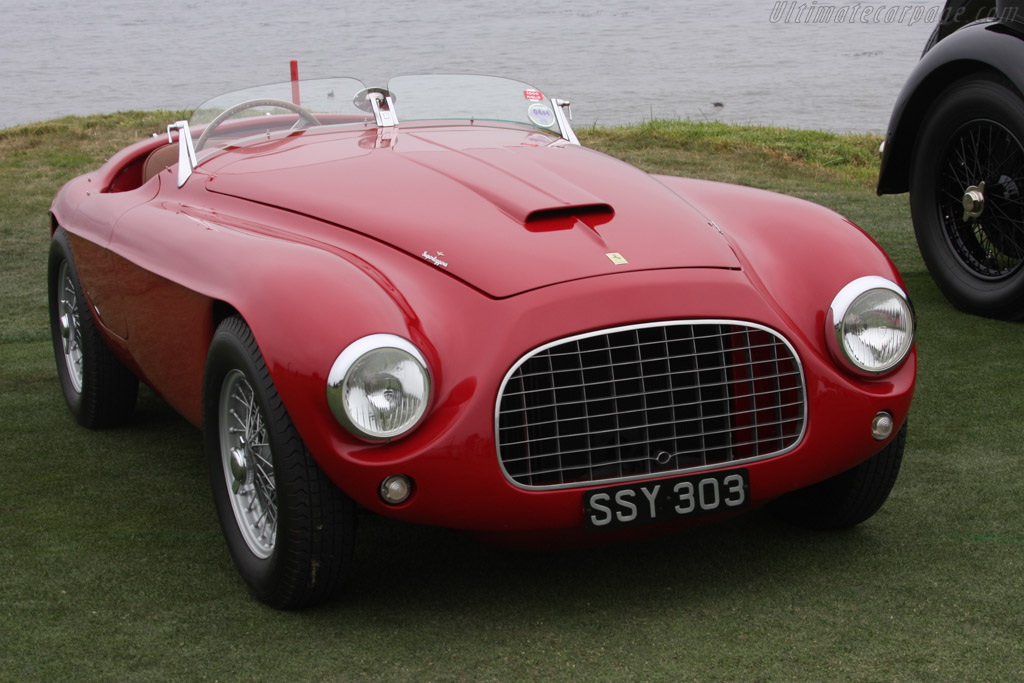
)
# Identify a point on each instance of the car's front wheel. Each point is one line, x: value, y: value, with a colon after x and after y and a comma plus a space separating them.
x: 99, y: 390
x: 288, y: 527
x: 847, y: 499
x: 967, y: 196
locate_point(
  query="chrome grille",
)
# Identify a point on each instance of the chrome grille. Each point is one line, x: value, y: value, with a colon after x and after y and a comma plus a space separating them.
x: 648, y: 400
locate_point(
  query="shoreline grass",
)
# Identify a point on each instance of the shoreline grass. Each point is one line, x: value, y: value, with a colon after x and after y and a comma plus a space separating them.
x: 851, y: 156
x: 112, y: 564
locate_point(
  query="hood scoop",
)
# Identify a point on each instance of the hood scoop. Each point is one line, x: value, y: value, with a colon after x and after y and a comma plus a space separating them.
x: 524, y: 190
x: 566, y: 217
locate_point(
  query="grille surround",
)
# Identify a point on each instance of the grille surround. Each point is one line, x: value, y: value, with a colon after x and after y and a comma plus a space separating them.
x: 558, y: 460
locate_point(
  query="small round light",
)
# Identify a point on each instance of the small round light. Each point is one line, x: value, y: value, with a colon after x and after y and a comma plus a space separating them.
x: 396, y: 489
x: 882, y: 425
x: 379, y: 387
x: 870, y: 326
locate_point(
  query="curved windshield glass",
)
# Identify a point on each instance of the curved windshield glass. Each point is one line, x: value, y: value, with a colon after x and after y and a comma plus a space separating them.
x: 277, y: 106
x: 471, y: 97
x: 298, y: 105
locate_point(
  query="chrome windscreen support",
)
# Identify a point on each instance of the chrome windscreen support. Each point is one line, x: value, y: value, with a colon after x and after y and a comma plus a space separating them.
x: 383, y: 109
x: 186, y: 150
x: 562, y: 108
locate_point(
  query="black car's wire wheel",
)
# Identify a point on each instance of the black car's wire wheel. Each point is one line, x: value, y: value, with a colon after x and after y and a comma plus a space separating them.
x: 967, y: 196
x: 980, y: 199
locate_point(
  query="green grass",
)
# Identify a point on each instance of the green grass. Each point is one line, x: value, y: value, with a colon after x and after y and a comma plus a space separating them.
x: 112, y: 564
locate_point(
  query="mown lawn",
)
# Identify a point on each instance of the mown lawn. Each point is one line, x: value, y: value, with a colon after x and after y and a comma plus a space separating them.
x: 112, y: 564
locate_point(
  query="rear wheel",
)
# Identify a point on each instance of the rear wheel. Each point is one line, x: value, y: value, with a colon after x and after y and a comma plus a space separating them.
x: 288, y: 527
x: 848, y: 499
x: 99, y: 390
x: 967, y: 196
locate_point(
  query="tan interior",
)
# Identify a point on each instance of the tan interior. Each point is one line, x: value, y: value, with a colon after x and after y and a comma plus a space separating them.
x: 159, y: 159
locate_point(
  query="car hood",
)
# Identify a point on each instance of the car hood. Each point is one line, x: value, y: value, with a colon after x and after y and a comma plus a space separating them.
x: 503, y: 210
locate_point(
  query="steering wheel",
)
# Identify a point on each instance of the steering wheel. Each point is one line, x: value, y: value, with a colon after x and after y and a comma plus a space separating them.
x: 304, y: 115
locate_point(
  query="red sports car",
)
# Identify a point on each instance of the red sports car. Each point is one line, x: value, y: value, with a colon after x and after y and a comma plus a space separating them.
x: 429, y: 301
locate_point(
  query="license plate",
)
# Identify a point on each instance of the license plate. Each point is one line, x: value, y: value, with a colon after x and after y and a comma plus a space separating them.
x: 666, y: 499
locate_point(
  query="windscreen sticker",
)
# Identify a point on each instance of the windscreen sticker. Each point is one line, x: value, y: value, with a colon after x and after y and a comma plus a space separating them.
x: 533, y: 95
x: 542, y: 115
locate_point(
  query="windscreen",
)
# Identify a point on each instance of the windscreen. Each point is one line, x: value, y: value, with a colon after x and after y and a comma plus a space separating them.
x: 298, y: 105
x: 282, y: 106
x: 471, y: 97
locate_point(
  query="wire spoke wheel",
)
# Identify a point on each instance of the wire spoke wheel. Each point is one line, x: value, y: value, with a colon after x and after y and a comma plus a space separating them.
x: 288, y: 527
x: 248, y: 464
x: 966, y: 185
x: 70, y: 326
x: 980, y: 202
x: 98, y: 389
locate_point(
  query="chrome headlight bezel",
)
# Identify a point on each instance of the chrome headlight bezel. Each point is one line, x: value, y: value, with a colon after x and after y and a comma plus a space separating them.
x: 345, y: 379
x: 847, y: 311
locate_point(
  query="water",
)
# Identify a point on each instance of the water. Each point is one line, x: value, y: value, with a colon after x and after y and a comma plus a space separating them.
x: 619, y: 61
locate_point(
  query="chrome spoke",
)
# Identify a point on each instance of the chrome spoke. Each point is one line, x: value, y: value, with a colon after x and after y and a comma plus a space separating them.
x: 248, y: 464
x: 70, y: 327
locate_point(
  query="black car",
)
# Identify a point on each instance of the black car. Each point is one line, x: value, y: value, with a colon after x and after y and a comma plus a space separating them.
x: 956, y: 143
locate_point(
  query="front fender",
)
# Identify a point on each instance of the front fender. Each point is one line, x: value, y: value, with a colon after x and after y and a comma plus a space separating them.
x: 797, y: 254
x: 989, y: 47
x: 305, y: 300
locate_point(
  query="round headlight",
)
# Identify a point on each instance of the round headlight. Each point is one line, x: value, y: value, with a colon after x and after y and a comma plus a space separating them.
x: 379, y: 387
x: 870, y: 326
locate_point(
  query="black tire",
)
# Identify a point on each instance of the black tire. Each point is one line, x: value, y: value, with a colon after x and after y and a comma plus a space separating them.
x: 301, y: 557
x: 848, y: 499
x: 100, y: 391
x: 974, y: 133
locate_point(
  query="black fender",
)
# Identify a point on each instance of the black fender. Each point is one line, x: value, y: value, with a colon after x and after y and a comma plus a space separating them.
x: 987, y: 47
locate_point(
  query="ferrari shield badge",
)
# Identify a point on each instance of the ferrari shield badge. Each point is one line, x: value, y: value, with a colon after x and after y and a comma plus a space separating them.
x: 617, y: 258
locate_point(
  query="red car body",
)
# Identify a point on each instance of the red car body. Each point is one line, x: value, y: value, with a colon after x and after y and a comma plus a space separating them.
x: 477, y: 243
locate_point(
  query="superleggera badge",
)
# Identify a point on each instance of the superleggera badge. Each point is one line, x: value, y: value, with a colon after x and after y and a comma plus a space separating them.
x: 533, y: 95
x: 436, y: 260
